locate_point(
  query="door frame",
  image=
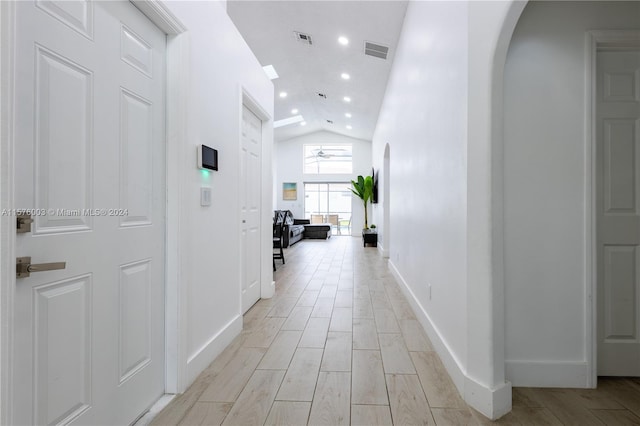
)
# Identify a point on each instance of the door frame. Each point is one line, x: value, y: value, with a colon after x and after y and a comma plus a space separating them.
x: 386, y: 205
x: 7, y: 226
x: 599, y: 40
x: 175, y: 124
x: 267, y: 284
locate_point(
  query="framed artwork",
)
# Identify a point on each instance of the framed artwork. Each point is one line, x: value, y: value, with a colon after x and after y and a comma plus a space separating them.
x: 289, y: 191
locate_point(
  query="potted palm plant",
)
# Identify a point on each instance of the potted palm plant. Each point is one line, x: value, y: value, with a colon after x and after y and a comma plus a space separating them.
x: 363, y: 188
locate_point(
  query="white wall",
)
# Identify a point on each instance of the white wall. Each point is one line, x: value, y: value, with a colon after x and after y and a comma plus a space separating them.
x: 289, y: 168
x: 545, y: 204
x: 438, y: 119
x: 216, y: 68
x: 423, y: 119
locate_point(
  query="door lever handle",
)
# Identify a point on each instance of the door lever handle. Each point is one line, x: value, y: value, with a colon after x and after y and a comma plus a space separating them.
x: 24, y: 267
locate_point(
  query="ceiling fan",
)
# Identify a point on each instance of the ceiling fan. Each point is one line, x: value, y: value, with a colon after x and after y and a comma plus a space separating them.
x: 332, y: 152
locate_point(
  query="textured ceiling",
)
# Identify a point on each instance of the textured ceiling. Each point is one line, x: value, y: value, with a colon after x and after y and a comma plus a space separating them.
x: 305, y: 70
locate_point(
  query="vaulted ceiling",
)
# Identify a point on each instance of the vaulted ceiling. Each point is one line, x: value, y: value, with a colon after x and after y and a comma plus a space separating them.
x: 311, y: 73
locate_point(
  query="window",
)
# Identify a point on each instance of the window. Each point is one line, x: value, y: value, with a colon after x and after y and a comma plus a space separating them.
x: 331, y: 201
x: 328, y: 159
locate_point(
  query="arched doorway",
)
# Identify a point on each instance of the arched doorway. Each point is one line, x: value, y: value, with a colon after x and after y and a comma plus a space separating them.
x: 546, y: 161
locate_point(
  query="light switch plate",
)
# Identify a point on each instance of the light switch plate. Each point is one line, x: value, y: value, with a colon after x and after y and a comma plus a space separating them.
x: 205, y: 196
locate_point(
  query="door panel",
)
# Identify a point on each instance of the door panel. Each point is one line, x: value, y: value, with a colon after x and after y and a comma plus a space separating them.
x: 135, y: 318
x: 89, y: 339
x: 618, y: 185
x: 62, y: 374
x: 250, y: 207
x: 136, y: 166
x: 77, y: 15
x: 63, y: 141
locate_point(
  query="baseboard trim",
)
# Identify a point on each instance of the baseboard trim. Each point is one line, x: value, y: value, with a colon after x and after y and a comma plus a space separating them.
x: 548, y: 374
x: 383, y: 251
x: 209, y: 351
x: 453, y: 366
x: 493, y: 403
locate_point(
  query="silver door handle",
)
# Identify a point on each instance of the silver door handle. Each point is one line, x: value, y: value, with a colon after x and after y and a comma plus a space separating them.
x: 24, y: 267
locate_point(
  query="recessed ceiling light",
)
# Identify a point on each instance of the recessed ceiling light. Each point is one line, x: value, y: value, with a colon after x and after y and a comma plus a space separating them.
x: 283, y: 94
x: 349, y: 127
x: 294, y: 111
x: 304, y: 123
x: 270, y: 71
x: 345, y: 76
x: 343, y: 40
x: 348, y: 115
x: 347, y: 99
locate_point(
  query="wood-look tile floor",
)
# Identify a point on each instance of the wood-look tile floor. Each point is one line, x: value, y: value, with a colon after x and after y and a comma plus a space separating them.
x: 339, y: 344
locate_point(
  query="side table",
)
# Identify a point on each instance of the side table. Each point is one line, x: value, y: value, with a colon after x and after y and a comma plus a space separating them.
x: 369, y: 237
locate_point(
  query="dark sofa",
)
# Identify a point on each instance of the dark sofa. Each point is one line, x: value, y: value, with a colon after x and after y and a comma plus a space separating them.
x: 293, y: 229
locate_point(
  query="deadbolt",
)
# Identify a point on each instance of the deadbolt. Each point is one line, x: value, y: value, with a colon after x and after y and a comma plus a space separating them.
x: 24, y: 223
x: 24, y: 267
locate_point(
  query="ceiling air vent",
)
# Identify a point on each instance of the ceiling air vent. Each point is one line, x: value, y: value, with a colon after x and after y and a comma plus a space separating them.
x: 376, y: 50
x: 303, y: 38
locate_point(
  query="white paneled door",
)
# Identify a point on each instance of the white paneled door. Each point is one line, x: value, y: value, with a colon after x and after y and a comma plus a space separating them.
x: 88, y: 340
x: 618, y: 201
x: 250, y: 172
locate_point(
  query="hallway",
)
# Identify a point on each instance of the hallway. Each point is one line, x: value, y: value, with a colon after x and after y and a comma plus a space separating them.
x: 339, y: 344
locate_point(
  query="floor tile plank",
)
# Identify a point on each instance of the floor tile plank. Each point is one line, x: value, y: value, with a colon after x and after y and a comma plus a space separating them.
x: 368, y: 386
x: 362, y: 308
x: 283, y: 307
x: 331, y: 404
x: 341, y: 320
x: 323, y: 308
x: 308, y: 298
x: 386, y: 321
x: 263, y: 335
x: 414, y: 336
x: 395, y: 357
x: 254, y: 403
x: 616, y: 417
x: 408, y: 403
x: 288, y: 413
x: 437, y: 385
x: 315, y: 334
x: 371, y: 415
x: 230, y: 382
x: 300, y: 381
x: 453, y: 417
x: 281, y: 351
x: 298, y: 318
x: 207, y: 413
x: 364, y: 334
x: 337, y: 352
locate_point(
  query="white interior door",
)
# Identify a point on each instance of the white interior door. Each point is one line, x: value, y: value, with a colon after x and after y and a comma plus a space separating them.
x: 250, y: 169
x: 89, y: 160
x: 618, y: 200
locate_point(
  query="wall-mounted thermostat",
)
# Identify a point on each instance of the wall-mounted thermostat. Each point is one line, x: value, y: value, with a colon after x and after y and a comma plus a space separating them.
x: 207, y: 158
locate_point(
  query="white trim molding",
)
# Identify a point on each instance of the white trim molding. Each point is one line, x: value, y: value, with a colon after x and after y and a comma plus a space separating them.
x: 267, y: 284
x: 492, y: 402
x: 199, y: 361
x: 176, y: 129
x: 160, y: 15
x: 7, y: 225
x: 548, y: 374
